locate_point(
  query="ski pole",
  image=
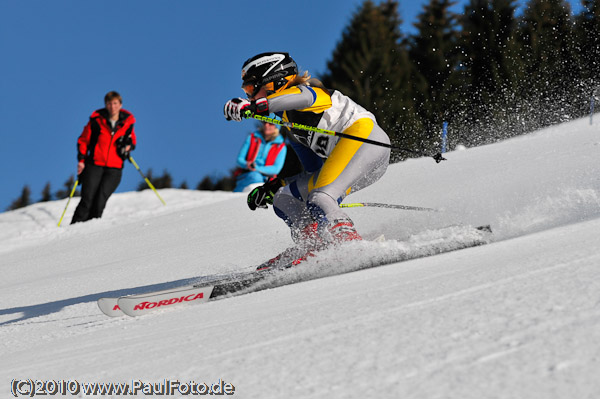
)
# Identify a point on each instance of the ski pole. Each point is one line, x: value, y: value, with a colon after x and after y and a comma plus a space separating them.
x: 379, y: 205
x: 145, y: 178
x: 291, y: 125
x: 69, y: 200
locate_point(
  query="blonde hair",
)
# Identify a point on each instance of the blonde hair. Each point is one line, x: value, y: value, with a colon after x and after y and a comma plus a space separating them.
x: 307, y: 79
x: 299, y: 79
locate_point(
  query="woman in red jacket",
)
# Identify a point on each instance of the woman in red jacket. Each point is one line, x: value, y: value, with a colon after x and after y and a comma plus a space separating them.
x: 102, y: 147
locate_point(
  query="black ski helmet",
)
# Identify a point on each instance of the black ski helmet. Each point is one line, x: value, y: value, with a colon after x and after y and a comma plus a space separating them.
x: 273, y: 70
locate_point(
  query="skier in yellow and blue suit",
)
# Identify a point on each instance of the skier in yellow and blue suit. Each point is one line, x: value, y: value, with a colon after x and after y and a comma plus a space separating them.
x: 333, y: 167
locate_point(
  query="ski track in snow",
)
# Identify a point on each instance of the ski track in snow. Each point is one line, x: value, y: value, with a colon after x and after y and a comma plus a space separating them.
x: 516, y: 318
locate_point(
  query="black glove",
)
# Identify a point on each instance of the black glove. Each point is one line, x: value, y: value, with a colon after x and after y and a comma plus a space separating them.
x: 260, y: 106
x: 236, y: 108
x: 263, y: 195
x: 121, y: 144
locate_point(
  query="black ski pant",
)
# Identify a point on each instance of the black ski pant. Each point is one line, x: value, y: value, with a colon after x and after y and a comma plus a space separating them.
x: 97, y: 185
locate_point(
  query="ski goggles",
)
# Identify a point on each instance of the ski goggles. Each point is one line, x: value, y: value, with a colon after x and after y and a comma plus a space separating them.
x: 250, y: 88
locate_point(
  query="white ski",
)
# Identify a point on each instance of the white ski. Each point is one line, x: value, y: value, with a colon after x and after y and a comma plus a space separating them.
x: 136, y: 305
x: 222, y: 286
x: 110, y: 307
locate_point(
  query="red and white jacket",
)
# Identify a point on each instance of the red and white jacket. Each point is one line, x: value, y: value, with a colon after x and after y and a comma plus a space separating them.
x: 98, y: 141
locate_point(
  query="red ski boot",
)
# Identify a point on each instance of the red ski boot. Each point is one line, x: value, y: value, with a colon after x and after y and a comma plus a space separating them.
x: 307, y: 240
x: 343, y: 230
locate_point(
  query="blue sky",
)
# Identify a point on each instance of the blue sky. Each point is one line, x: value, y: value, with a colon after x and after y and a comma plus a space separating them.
x: 174, y: 62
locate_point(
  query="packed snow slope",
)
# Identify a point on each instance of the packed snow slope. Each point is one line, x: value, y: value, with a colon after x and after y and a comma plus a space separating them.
x: 517, y: 318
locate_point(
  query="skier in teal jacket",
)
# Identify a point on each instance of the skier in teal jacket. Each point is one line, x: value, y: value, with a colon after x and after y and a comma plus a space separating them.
x: 261, y: 158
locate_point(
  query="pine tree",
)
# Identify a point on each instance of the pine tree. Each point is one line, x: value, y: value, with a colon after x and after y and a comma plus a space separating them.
x: 551, y: 72
x: 490, y: 67
x: 370, y: 65
x: 23, y: 201
x: 433, y: 50
x: 587, y: 32
x: 67, y: 188
x: 164, y: 181
x: 226, y: 183
x: 206, y: 184
x: 46, y: 193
